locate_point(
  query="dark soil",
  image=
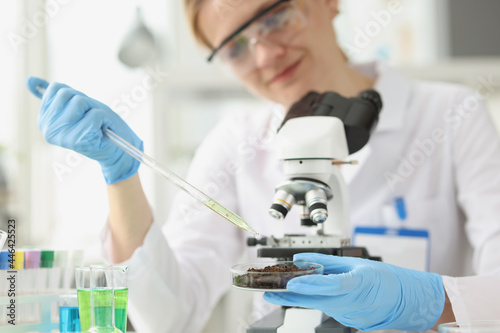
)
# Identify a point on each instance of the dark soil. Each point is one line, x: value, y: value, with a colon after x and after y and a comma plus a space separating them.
x: 276, y: 279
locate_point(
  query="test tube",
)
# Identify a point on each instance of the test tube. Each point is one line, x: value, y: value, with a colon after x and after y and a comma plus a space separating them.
x: 3, y: 238
x: 20, y: 284
x: 55, y: 278
x: 4, y: 267
x: 4, y: 283
x: 69, y: 319
x: 102, y: 300
x: 61, y: 258
x: 75, y: 260
x: 82, y: 279
x: 32, y: 265
x: 33, y: 286
x: 46, y: 264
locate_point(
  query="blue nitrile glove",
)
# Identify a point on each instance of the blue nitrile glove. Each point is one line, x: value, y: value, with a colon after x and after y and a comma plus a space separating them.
x: 367, y: 295
x: 70, y: 119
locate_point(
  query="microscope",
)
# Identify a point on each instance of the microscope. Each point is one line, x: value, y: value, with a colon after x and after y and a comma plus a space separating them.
x: 317, y: 135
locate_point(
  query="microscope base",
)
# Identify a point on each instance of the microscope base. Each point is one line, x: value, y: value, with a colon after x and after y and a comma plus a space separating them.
x: 297, y: 320
x: 287, y: 253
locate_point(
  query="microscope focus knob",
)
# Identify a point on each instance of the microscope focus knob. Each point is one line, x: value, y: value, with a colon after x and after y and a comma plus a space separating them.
x: 252, y: 241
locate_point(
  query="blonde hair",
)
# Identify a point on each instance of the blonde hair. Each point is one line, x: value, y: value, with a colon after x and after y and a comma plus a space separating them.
x: 192, y: 9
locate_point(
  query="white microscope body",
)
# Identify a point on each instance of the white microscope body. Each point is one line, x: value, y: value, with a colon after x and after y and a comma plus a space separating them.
x: 311, y: 147
x: 318, y: 134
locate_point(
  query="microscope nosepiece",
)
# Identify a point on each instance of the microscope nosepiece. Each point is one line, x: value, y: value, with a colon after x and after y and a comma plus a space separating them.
x: 282, y: 203
x: 316, y: 202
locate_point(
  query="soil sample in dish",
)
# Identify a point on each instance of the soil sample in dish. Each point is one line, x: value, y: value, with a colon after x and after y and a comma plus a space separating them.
x: 270, y: 277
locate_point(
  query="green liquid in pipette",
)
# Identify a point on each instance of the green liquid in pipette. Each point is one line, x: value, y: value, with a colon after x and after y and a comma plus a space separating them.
x: 172, y: 177
x: 229, y: 215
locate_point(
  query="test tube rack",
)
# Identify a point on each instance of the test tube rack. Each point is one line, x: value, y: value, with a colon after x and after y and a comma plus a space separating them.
x: 49, y: 317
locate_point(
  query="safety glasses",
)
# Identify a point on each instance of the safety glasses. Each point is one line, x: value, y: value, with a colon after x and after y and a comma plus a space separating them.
x: 276, y: 25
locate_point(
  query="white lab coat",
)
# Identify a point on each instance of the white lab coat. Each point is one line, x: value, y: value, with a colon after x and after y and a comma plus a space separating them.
x: 436, y: 144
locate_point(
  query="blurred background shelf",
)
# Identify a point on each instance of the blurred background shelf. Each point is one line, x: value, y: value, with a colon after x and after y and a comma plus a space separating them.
x: 59, y: 198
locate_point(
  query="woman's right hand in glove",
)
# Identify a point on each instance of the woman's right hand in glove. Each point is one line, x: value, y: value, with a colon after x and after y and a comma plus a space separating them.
x: 70, y: 119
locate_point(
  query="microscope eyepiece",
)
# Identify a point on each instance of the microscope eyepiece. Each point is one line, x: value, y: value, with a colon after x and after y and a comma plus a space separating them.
x: 359, y: 114
x: 282, y: 203
x: 372, y: 97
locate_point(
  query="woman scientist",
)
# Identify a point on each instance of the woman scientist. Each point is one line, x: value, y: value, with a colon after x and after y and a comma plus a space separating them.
x: 280, y: 50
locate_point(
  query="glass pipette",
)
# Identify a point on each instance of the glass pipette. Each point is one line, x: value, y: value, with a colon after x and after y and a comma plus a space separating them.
x: 173, y: 178
x: 181, y: 183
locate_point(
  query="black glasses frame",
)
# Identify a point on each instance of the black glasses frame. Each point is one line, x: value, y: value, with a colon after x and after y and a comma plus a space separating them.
x: 244, y: 26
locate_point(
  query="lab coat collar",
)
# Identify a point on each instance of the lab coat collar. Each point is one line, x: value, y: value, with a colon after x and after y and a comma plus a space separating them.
x: 394, y: 88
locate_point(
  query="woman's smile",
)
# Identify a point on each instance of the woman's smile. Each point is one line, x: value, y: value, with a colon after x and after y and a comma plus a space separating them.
x: 287, y: 74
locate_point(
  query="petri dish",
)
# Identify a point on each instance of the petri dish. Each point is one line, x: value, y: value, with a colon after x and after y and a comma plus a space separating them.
x: 270, y: 276
x: 484, y: 326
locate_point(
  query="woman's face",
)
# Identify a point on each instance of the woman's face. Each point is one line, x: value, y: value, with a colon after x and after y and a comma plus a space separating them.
x: 281, y: 73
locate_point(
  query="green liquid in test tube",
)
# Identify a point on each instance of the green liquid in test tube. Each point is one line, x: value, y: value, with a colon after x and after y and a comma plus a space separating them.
x: 102, y: 312
x: 102, y: 298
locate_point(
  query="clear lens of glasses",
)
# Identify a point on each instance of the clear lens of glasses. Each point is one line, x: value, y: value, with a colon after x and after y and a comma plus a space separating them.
x: 278, y: 27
